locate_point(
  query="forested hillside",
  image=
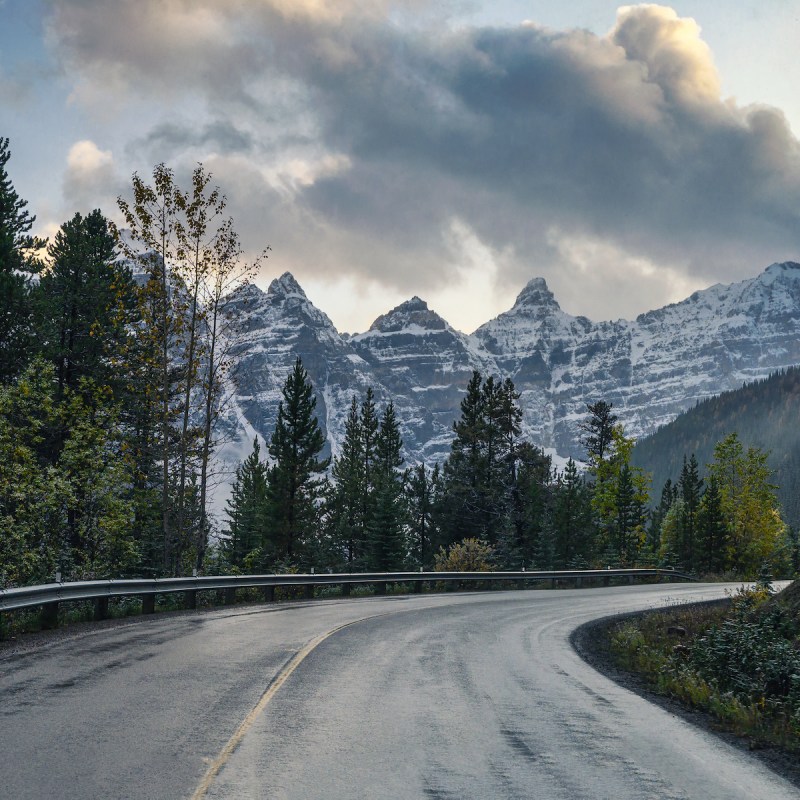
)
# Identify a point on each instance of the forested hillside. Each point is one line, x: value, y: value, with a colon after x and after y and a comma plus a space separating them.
x: 765, y: 414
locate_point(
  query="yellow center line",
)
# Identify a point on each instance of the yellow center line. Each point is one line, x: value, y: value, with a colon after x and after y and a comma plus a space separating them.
x: 219, y: 762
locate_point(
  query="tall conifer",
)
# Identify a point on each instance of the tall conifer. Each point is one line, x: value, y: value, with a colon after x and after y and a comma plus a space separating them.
x: 294, y: 479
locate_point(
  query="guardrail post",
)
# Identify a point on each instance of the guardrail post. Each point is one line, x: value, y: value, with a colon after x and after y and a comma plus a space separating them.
x: 578, y: 583
x: 2, y: 627
x: 100, y: 608
x: 49, y: 616
x: 308, y: 591
x: 230, y: 596
x: 345, y: 590
x: 148, y: 604
x: 269, y: 594
x: 630, y: 579
x: 190, y: 598
x: 380, y: 587
x: 418, y: 587
x: 606, y: 580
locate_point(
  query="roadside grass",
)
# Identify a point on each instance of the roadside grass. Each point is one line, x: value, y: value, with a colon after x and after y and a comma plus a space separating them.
x: 739, y: 661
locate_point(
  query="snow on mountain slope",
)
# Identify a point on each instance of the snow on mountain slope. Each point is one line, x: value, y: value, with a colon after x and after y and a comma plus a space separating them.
x: 274, y: 328
x: 650, y: 368
x: 423, y: 365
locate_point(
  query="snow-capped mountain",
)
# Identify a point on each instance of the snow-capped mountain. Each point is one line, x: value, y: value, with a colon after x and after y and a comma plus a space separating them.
x: 650, y: 368
x: 274, y: 328
x: 423, y: 365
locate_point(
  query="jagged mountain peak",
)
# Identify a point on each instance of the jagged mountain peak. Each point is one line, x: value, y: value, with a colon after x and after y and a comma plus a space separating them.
x: 411, y: 312
x: 249, y: 291
x: 286, y: 286
x: 650, y: 368
x: 780, y: 269
x: 536, y: 295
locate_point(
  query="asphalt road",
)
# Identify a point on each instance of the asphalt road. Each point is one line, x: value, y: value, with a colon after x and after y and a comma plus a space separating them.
x: 441, y: 696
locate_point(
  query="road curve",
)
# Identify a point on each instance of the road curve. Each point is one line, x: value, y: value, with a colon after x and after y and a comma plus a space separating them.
x: 439, y: 696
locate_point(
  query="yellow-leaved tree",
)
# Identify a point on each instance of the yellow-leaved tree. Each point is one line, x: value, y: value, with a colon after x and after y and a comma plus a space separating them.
x: 748, y: 503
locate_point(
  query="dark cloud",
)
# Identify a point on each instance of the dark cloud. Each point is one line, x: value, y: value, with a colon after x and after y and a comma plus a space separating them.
x: 171, y: 139
x: 542, y: 143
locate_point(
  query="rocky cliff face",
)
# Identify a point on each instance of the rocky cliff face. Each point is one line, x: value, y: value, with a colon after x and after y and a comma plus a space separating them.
x: 651, y: 368
x: 274, y: 328
x: 423, y: 365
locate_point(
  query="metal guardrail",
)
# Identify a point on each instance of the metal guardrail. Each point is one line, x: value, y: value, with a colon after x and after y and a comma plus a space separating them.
x: 50, y: 595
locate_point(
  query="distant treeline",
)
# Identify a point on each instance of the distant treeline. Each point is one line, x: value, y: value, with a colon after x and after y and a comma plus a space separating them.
x: 765, y: 414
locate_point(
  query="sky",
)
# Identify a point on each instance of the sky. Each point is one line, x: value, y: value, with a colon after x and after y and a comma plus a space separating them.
x: 449, y: 149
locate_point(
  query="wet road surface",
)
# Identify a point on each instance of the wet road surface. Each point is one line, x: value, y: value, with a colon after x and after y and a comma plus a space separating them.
x: 434, y: 696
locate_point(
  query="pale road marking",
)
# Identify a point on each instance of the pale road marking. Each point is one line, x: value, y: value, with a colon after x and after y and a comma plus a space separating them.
x: 219, y: 762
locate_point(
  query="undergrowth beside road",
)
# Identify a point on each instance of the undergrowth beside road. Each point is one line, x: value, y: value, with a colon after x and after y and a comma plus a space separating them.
x: 739, y: 661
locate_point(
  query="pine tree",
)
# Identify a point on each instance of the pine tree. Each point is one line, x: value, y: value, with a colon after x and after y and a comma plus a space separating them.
x: 423, y: 489
x: 527, y: 536
x: 17, y: 257
x: 619, y: 498
x: 573, y: 521
x: 245, y: 541
x: 690, y: 487
x: 669, y: 493
x: 480, y: 473
x: 345, y: 504
x: 369, y: 425
x: 712, y: 531
x: 462, y: 512
x: 294, y: 488
x: 387, y: 525
x: 83, y: 303
x: 598, y: 431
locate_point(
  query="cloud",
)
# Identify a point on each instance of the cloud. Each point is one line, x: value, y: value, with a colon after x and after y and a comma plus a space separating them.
x: 675, y: 58
x: 90, y: 179
x: 351, y: 141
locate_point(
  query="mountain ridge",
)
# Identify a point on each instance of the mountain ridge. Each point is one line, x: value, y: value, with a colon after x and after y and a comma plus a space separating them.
x: 651, y: 368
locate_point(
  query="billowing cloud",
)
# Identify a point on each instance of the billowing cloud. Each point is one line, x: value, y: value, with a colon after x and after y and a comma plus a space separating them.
x: 674, y: 56
x: 91, y: 179
x: 351, y: 142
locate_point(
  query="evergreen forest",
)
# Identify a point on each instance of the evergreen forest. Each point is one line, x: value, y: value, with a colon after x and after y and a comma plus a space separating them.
x: 763, y: 413
x: 113, y: 355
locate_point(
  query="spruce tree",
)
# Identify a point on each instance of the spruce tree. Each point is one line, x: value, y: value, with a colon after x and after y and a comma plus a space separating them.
x: 480, y: 473
x: 573, y: 522
x: 423, y: 488
x: 17, y: 257
x: 83, y: 303
x: 345, y: 504
x: 527, y: 511
x: 712, y: 532
x: 598, y: 431
x: 669, y: 493
x: 294, y: 485
x: 387, y: 525
x: 619, y: 498
x: 690, y: 487
x: 464, y: 502
x: 245, y: 543
x: 369, y: 425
